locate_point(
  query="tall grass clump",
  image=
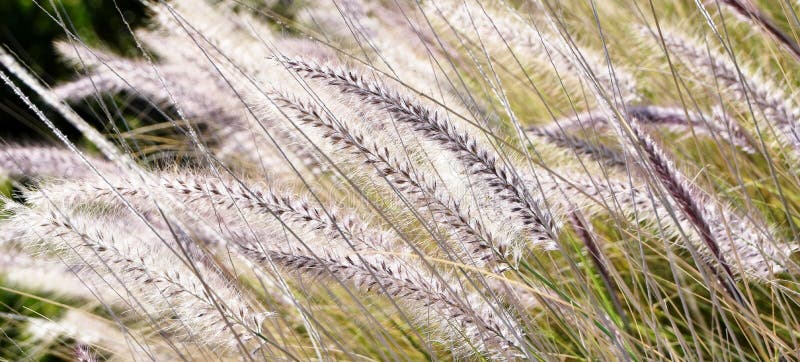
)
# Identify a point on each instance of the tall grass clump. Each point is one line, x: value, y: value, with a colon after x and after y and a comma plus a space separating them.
x: 434, y: 180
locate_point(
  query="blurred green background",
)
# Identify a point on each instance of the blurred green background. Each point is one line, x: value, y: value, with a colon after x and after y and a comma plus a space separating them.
x: 28, y: 29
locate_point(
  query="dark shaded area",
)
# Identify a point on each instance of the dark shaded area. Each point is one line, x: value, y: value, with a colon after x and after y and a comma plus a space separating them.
x: 29, y: 28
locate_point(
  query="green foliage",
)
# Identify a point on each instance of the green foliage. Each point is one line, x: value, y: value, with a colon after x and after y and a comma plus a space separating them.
x: 16, y: 343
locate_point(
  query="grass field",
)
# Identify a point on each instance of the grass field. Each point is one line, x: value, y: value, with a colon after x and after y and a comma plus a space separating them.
x: 388, y: 180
